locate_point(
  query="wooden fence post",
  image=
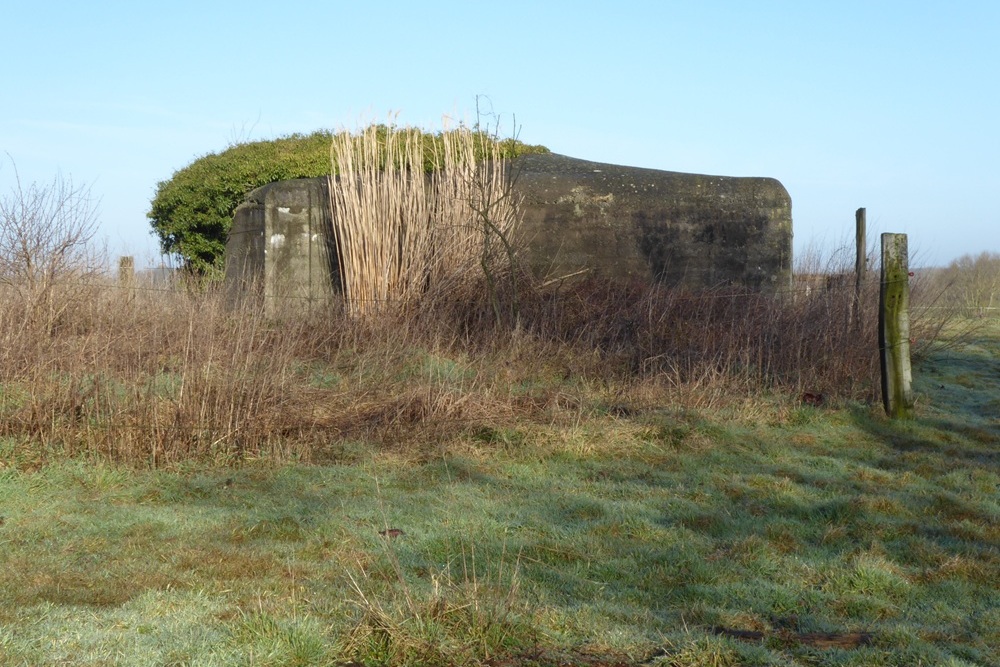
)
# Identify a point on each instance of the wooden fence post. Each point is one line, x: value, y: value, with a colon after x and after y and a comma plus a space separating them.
x: 126, y: 276
x: 894, y: 328
x: 860, y: 264
x: 126, y: 271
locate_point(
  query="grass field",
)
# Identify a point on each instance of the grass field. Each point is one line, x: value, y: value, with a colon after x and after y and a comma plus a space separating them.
x: 769, y: 533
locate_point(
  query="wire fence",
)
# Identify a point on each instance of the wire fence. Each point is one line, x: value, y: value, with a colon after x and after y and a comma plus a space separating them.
x: 725, y: 290
x: 237, y: 421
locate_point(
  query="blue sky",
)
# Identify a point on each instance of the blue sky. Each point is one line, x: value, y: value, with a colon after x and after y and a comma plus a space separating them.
x: 894, y: 106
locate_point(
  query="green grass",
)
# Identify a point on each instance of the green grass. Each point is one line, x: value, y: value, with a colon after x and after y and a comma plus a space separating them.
x: 621, y: 538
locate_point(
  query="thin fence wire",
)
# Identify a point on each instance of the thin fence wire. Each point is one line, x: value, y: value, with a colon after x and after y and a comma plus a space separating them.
x: 735, y: 291
x: 227, y: 434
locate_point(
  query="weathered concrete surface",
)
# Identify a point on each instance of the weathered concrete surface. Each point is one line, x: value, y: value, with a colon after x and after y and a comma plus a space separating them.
x: 626, y: 222
x: 280, y: 247
x: 599, y: 219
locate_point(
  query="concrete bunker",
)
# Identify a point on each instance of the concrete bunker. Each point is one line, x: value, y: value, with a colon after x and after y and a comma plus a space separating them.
x: 579, y: 217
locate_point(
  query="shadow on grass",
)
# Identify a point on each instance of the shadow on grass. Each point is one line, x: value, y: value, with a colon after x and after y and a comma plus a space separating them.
x: 958, y: 408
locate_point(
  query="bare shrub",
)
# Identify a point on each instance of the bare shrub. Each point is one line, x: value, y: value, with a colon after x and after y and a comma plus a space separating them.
x: 974, y: 282
x: 156, y: 377
x: 45, y: 235
x: 151, y: 379
x: 731, y: 339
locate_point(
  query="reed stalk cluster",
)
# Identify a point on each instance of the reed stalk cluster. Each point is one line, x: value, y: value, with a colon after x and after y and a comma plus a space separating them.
x: 414, y: 213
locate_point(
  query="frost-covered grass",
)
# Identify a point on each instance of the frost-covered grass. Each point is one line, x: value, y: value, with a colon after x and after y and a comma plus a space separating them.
x: 779, y: 535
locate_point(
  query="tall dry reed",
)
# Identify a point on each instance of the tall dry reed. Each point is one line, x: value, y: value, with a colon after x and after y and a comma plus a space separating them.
x: 401, y: 231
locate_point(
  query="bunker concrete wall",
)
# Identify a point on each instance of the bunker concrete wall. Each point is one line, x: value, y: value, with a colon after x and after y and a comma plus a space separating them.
x: 280, y: 247
x: 584, y: 217
x: 677, y: 228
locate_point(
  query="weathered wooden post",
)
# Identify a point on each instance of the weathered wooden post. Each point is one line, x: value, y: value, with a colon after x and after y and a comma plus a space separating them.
x: 126, y: 277
x: 860, y: 264
x: 894, y: 327
x: 126, y: 271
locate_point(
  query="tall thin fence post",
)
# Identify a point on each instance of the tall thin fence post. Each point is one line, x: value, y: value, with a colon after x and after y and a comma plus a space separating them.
x: 860, y: 264
x: 894, y: 328
x: 126, y: 275
x: 126, y: 271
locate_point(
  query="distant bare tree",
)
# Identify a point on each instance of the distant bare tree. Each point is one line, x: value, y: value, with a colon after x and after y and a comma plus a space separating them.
x: 975, y: 281
x: 45, y: 235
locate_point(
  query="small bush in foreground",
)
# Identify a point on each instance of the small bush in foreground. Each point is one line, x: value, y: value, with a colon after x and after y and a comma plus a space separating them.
x: 464, y: 615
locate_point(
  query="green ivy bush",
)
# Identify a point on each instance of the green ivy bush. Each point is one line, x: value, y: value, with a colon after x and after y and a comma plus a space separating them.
x: 192, y: 212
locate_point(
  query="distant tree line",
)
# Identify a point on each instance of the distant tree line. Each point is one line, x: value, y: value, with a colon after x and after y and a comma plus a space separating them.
x: 973, y: 281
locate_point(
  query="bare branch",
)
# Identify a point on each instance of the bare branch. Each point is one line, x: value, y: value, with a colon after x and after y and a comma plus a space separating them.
x: 45, y: 234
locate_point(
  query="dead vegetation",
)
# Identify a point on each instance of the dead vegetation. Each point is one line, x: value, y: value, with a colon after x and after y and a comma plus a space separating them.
x: 153, y: 375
